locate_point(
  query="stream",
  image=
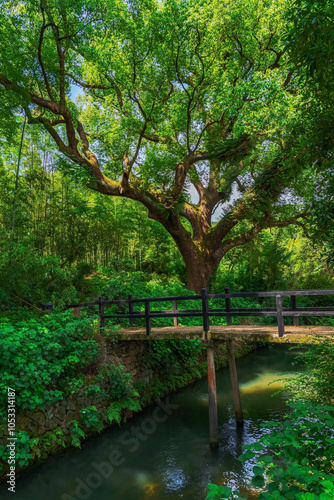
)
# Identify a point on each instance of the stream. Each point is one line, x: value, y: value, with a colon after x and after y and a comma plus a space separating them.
x: 163, y: 453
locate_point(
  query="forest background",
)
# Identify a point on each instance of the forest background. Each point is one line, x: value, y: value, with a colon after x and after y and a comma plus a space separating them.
x: 235, y: 156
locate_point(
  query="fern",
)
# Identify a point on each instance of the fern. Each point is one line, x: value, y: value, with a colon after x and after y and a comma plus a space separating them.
x: 130, y: 404
x: 76, y: 433
x: 114, y: 412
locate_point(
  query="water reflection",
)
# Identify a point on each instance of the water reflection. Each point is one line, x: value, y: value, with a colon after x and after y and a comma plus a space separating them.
x: 174, y: 460
x: 263, y: 381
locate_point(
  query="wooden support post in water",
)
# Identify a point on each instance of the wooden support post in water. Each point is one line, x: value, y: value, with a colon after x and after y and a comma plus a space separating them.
x: 235, y: 385
x: 213, y: 413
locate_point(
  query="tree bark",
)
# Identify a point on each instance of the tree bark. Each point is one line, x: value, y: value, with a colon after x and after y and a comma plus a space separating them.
x: 200, y: 269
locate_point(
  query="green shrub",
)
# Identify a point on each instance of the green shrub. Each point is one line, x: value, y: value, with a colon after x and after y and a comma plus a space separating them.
x: 300, y: 460
x: 90, y: 417
x: 41, y: 359
x: 317, y: 383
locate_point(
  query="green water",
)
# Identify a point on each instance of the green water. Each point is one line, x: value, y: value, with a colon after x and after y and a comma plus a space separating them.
x: 163, y: 453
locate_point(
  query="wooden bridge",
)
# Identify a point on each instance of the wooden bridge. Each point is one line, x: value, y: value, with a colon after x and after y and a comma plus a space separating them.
x: 285, y: 305
x: 221, y: 333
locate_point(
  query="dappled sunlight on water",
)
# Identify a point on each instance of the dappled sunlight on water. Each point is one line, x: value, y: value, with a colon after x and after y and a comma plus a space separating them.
x: 267, y: 380
x: 151, y: 490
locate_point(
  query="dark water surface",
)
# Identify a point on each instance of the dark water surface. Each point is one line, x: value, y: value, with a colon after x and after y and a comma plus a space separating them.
x: 163, y: 453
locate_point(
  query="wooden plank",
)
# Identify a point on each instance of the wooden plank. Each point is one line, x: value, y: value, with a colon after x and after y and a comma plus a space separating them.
x: 309, y: 313
x: 84, y: 304
x: 221, y: 333
x: 155, y: 314
x: 116, y: 301
x: 170, y: 298
x: 258, y: 313
x: 273, y: 293
x: 220, y: 314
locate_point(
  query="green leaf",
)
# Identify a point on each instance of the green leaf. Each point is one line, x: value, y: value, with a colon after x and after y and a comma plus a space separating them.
x: 258, y: 481
x: 212, y: 487
x: 257, y: 447
x: 272, y: 487
x: 258, y: 471
x: 246, y: 456
x: 325, y: 496
x: 328, y: 484
x: 265, y: 496
x: 211, y: 495
x: 225, y: 491
x: 267, y: 459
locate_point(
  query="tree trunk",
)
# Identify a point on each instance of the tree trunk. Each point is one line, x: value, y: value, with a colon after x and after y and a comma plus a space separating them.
x: 200, y: 268
x: 201, y: 253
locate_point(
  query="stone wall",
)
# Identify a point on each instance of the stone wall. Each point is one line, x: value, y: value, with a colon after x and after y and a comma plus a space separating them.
x: 130, y: 355
x: 58, y: 415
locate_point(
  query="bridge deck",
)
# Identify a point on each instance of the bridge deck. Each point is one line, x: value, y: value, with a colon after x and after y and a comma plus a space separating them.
x: 293, y: 334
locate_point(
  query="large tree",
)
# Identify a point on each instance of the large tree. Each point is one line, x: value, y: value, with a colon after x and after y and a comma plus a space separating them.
x: 189, y: 107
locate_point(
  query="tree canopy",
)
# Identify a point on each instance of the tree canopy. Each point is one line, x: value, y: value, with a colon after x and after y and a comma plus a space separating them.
x: 192, y: 108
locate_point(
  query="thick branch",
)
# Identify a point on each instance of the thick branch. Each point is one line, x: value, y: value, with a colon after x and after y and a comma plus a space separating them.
x: 61, y: 55
x: 40, y: 43
x: 88, y: 85
x: 156, y: 138
x: 241, y: 239
x: 288, y: 79
x: 269, y: 182
x: 138, y: 146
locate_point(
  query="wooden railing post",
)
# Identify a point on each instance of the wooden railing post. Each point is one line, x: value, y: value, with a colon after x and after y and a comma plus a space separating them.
x: 205, y: 312
x: 295, y: 319
x: 228, y: 307
x: 175, y: 318
x: 117, y: 298
x: 147, y: 317
x: 48, y: 307
x: 101, y: 311
x: 280, y: 319
x: 131, y: 310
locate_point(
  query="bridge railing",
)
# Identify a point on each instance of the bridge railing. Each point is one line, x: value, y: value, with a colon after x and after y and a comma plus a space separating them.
x: 205, y: 312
